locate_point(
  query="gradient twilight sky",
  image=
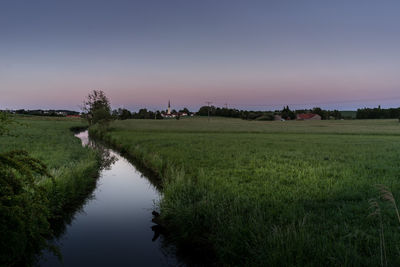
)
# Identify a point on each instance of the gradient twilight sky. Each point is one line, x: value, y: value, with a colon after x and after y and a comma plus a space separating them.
x: 247, y: 53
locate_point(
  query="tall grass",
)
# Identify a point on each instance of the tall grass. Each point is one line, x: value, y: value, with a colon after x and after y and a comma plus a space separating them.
x: 376, y: 205
x: 74, y: 170
x: 258, y: 193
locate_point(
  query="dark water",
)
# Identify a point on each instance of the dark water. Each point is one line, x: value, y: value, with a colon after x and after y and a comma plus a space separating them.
x: 114, y: 227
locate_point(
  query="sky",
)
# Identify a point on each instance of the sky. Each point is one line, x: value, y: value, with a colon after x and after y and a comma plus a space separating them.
x: 247, y: 54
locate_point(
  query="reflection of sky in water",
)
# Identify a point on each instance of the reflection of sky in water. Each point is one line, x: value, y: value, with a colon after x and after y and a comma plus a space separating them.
x: 114, y: 227
x: 84, y: 136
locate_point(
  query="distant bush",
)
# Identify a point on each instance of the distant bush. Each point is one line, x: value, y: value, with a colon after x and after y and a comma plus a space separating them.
x: 253, y: 115
x: 266, y: 117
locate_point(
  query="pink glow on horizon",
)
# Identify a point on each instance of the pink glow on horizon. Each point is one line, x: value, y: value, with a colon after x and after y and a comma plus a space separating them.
x: 249, y: 54
x: 154, y: 97
x: 240, y: 86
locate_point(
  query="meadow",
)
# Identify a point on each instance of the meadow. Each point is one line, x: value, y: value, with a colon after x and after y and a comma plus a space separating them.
x: 38, y: 211
x: 273, y: 193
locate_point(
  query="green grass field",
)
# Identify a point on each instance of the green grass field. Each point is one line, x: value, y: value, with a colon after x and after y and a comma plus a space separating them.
x: 74, y: 169
x: 273, y: 193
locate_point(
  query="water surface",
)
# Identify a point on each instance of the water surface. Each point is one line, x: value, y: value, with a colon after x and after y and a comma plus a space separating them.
x: 114, y: 226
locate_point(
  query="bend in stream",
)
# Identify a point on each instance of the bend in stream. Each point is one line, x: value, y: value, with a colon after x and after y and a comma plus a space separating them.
x: 114, y: 226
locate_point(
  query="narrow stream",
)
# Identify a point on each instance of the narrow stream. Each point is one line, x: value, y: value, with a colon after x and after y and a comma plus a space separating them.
x: 114, y: 226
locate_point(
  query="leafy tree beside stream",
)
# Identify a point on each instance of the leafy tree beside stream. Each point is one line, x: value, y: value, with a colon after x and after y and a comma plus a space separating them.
x: 97, y: 108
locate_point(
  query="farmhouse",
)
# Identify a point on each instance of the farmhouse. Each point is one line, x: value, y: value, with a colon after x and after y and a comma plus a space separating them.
x: 308, y: 116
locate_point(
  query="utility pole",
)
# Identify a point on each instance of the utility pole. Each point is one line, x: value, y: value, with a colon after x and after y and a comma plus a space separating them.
x: 208, y: 110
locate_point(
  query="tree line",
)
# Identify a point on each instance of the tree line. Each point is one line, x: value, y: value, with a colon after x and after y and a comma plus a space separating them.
x: 378, y: 113
x: 285, y: 113
x: 124, y: 114
x: 48, y: 112
x: 97, y: 105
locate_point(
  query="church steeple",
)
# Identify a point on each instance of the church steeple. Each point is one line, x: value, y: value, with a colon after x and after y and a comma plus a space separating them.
x: 169, y: 107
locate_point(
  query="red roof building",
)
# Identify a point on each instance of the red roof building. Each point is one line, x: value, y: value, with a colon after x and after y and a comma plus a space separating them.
x: 308, y: 116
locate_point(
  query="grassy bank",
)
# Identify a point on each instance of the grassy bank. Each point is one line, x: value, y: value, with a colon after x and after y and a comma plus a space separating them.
x: 273, y: 193
x: 53, y: 200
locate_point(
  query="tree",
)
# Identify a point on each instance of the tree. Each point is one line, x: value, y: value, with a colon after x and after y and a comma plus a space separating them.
x: 207, y: 110
x: 184, y: 110
x: 122, y: 114
x: 319, y: 111
x: 158, y: 115
x: 97, y: 108
x: 143, y: 114
x: 286, y: 113
x: 115, y: 114
x: 336, y: 114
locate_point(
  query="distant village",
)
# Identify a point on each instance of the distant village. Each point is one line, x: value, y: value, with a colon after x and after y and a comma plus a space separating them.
x: 278, y: 115
x: 174, y: 114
